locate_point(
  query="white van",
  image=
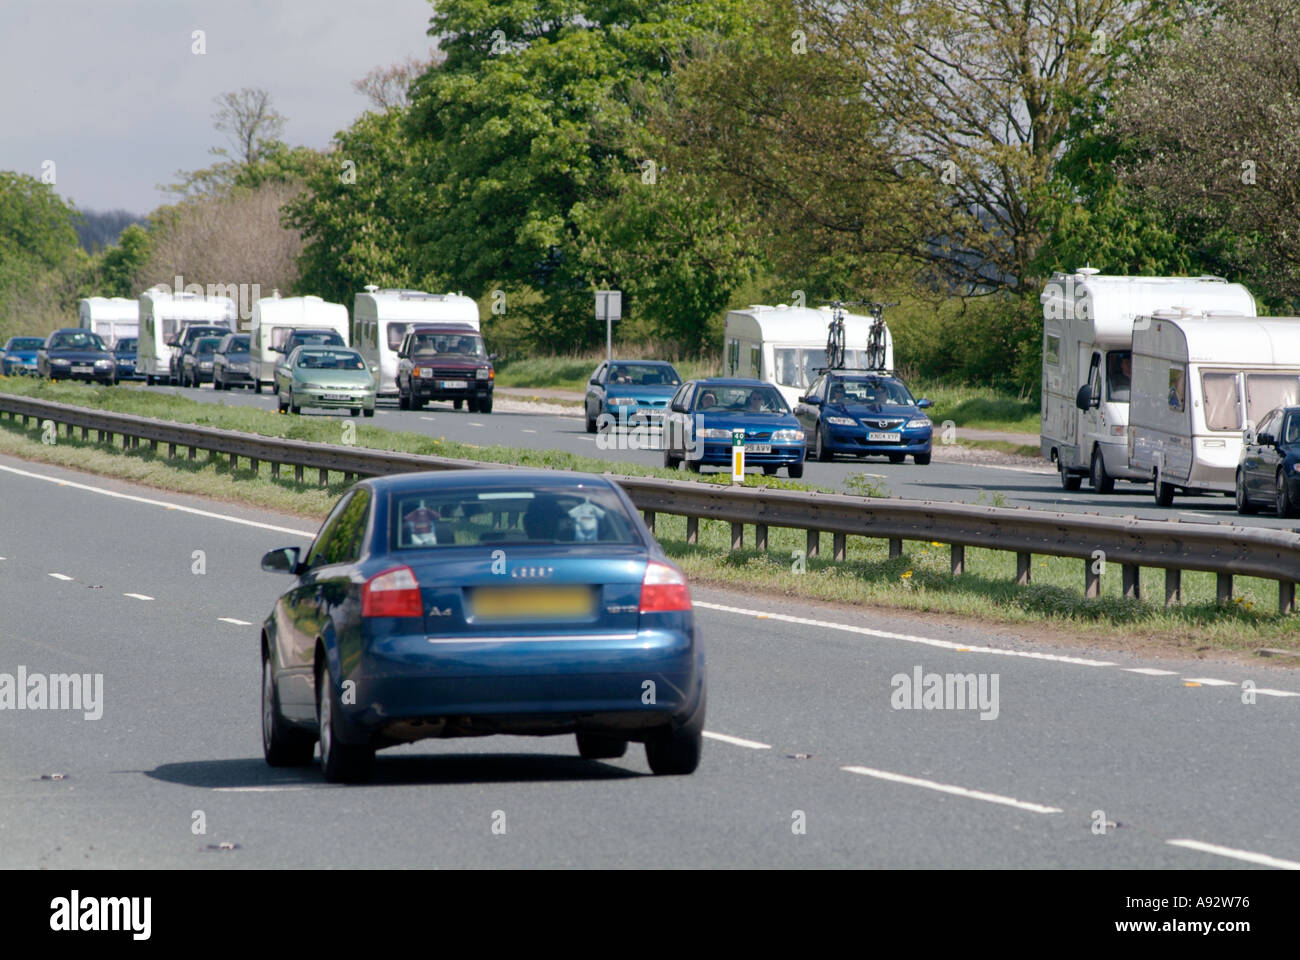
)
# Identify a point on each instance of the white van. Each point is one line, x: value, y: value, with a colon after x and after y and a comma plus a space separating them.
x: 380, y: 318
x: 270, y: 322
x: 1088, y: 341
x: 1200, y: 380
x: 785, y: 345
x: 163, y: 315
x: 113, y: 318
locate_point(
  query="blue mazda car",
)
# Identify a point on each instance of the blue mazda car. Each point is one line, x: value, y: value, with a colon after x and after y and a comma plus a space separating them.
x: 19, y: 356
x: 475, y: 602
x: 619, y: 391
x: 860, y: 414
x: 705, y: 417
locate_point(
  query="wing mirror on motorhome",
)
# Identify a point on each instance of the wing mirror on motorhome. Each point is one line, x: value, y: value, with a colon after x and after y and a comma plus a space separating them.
x: 284, y: 560
x: 1084, y: 399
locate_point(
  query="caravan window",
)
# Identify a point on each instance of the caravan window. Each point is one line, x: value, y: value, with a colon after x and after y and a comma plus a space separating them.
x: 1119, y: 375
x: 395, y: 333
x: 278, y: 336
x: 1264, y: 391
x: 1052, y: 351
x: 787, y: 366
x: 1222, y: 401
x: 733, y: 356
x: 1177, y: 389
x: 756, y: 362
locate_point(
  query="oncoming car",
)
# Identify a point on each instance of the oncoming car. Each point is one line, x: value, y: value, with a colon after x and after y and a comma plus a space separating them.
x: 864, y: 414
x: 619, y: 391
x: 329, y: 377
x: 478, y: 602
x: 704, y: 417
x: 76, y: 354
x: 1268, y: 471
x: 19, y: 356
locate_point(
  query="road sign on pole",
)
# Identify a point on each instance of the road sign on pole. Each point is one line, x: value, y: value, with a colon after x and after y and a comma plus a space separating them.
x: 609, y: 307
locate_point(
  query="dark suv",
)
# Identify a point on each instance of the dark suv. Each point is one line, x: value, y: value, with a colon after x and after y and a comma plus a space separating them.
x: 181, y: 345
x: 444, y: 361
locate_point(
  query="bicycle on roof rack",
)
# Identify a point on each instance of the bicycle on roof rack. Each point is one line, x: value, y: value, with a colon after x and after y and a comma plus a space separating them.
x: 875, y: 352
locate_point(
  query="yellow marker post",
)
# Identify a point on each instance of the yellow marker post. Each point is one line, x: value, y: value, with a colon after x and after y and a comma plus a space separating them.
x: 737, y: 456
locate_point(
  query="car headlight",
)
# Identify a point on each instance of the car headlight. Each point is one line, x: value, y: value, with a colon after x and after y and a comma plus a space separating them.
x: 713, y: 433
x: 205, y: 365
x: 917, y: 423
x: 841, y: 421
x: 787, y: 436
x: 481, y: 373
x: 1296, y: 467
x: 103, y: 363
x: 59, y: 362
x: 622, y: 402
x: 312, y: 386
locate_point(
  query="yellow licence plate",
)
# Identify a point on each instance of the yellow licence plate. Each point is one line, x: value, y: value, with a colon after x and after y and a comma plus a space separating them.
x: 515, y: 603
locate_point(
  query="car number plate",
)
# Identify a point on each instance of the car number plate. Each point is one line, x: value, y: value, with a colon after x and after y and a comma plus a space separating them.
x: 884, y: 438
x: 455, y: 384
x: 82, y: 368
x: 758, y: 448
x: 522, y: 603
x: 335, y: 396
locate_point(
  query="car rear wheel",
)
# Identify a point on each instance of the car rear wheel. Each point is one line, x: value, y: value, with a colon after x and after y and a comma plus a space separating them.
x: 674, y: 752
x: 597, y: 746
x: 339, y: 762
x: 283, y: 744
x: 1164, y: 492
x: 1285, y: 506
x: 1069, y: 481
x: 1244, y: 506
x: 1101, y: 481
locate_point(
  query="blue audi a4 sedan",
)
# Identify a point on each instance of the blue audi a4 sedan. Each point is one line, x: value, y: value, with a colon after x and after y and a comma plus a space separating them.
x: 475, y: 602
x: 705, y: 415
x: 861, y: 414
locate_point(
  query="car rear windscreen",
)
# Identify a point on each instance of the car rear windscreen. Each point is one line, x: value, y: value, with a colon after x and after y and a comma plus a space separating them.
x: 557, y: 515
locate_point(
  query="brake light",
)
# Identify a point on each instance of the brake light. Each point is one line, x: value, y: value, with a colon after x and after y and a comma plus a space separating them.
x: 664, y: 589
x: 393, y: 593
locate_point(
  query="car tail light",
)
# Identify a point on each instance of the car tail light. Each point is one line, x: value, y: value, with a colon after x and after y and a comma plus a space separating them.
x: 393, y: 593
x: 664, y: 589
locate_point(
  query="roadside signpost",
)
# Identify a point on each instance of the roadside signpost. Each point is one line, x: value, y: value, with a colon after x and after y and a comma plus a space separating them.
x: 609, y: 307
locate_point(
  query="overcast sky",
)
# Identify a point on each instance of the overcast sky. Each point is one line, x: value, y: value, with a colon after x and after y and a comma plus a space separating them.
x: 111, y: 91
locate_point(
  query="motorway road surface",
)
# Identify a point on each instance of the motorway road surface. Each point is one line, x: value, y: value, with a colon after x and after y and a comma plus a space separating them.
x: 1036, y: 486
x: 99, y: 577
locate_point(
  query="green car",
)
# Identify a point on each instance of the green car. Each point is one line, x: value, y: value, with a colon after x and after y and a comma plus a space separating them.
x: 314, y: 376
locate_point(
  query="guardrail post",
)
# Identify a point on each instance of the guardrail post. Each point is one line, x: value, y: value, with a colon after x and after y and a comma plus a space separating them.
x: 193, y: 453
x: 1132, y: 581
x: 649, y: 516
x: 350, y: 478
x: 840, y: 546
x: 1285, y: 597
x: 1022, y: 569
x: 171, y: 451
x: 814, y: 544
x: 895, y: 548
x: 153, y: 445
x: 1223, y: 587
x: 958, y: 558
x: 99, y: 436
x: 234, y: 463
x: 692, y: 529
x: 297, y: 472
x: 1091, y: 580
x: 760, y: 536
x: 1173, y: 587
x: 85, y: 433
x: 737, y: 536
x: 255, y: 463
x: 324, y: 477
x: 275, y: 469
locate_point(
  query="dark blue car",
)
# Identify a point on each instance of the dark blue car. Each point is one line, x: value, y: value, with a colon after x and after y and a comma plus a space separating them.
x: 623, y: 390
x: 864, y: 414
x: 704, y: 417
x: 124, y: 352
x: 19, y: 356
x: 474, y: 602
x: 1269, y: 470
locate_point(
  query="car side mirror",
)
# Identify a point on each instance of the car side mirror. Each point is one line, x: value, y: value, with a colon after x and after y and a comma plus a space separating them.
x: 811, y: 401
x: 283, y: 560
x: 923, y: 403
x: 1266, y: 440
x: 1083, y: 399
x: 678, y: 408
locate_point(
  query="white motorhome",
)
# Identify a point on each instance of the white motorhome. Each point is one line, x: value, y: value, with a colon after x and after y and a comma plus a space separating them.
x: 164, y: 314
x: 786, y: 345
x: 272, y: 319
x: 113, y: 318
x: 1087, y: 341
x: 1200, y: 380
x: 380, y: 318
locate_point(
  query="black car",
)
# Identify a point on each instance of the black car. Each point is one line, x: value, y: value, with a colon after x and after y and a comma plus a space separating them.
x: 75, y: 353
x: 1269, y: 470
x: 230, y: 363
x: 182, y: 343
x: 196, y: 361
x: 124, y: 352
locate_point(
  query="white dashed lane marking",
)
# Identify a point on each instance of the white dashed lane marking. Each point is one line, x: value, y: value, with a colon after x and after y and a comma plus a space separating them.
x: 949, y: 788
x: 1209, y: 682
x: 738, y: 741
x: 1262, y: 859
x: 138, y: 596
x: 1149, y: 671
x: 238, y: 623
x: 59, y: 576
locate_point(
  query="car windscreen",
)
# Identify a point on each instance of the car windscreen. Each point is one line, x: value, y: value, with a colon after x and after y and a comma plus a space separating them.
x: 739, y: 399
x: 643, y: 375
x: 126, y: 345
x: 25, y: 343
x: 206, y: 346
x: 238, y: 345
x: 447, y: 344
x: 549, y: 515
x: 76, y: 341
x: 331, y: 360
x: 868, y: 390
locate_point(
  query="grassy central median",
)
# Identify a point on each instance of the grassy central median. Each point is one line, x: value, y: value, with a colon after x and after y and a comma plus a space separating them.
x: 919, y: 580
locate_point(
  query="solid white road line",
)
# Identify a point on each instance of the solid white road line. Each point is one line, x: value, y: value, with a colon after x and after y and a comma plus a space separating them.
x: 1261, y: 858
x: 1209, y: 682
x: 137, y: 596
x: 157, y: 503
x: 59, y: 576
x: 238, y: 623
x: 1149, y: 671
x: 955, y: 791
x: 910, y: 638
x: 738, y: 741
x: 1276, y: 693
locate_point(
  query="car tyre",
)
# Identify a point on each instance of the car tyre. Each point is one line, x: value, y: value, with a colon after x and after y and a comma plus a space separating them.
x: 293, y: 407
x: 1285, y: 506
x: 1069, y: 481
x: 257, y: 386
x: 485, y: 406
x: 591, y: 424
x: 1101, y: 481
x: 671, y: 462
x: 674, y: 752
x: 769, y: 470
x: 216, y: 383
x: 368, y: 412
x: 283, y: 744
x: 457, y: 404
x: 1244, y: 506
x: 339, y: 762
x: 921, y: 459
x: 598, y: 746
x: 794, y: 471
x: 823, y: 455
x: 403, y: 400
x: 1164, y: 492
x: 693, y: 465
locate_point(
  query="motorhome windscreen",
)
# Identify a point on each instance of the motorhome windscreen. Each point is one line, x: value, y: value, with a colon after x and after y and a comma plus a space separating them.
x: 1119, y: 375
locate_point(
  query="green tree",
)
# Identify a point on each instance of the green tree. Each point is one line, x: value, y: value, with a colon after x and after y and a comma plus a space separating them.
x: 120, y: 265
x: 36, y: 224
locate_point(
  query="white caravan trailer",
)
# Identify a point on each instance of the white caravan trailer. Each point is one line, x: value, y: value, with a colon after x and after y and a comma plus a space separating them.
x: 163, y: 315
x: 113, y: 318
x: 380, y: 319
x: 1200, y: 380
x: 270, y: 322
x: 786, y: 345
x: 1087, y: 341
